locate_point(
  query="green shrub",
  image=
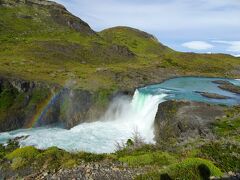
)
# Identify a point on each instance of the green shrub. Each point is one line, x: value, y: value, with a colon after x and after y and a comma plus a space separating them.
x: 150, y: 158
x: 147, y: 148
x: 228, y: 127
x: 191, y: 168
x: 18, y: 163
x: 52, y: 157
x: 22, y: 157
x: 70, y: 163
x: 90, y: 157
x: 225, y: 155
x: 28, y: 153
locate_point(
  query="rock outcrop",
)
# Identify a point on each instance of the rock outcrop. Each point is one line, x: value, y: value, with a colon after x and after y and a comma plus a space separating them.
x: 213, y: 95
x: 179, y: 120
x: 26, y: 104
x: 228, y: 86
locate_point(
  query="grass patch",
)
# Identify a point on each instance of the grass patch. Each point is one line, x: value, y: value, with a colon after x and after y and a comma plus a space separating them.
x: 191, y: 168
x: 230, y: 125
x: 151, y: 158
x: 225, y: 155
x: 22, y: 157
x: 28, y: 153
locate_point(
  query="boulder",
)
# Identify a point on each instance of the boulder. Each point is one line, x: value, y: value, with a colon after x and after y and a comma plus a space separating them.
x: 180, y: 120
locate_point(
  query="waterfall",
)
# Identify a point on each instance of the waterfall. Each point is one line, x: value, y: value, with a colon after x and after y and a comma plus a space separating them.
x: 123, y: 116
x: 145, y: 107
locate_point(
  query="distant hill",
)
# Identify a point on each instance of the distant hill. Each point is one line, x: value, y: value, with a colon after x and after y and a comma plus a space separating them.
x: 41, y: 40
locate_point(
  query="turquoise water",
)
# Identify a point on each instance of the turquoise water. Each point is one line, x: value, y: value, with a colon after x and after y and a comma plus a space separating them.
x: 186, y: 88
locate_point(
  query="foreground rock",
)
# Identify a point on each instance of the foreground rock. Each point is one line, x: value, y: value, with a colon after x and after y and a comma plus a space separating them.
x: 180, y: 120
x: 101, y: 170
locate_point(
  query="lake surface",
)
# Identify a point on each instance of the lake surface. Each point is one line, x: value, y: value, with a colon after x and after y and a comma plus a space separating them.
x: 187, y: 88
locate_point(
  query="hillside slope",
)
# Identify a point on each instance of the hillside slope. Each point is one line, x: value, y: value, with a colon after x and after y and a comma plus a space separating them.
x: 42, y: 41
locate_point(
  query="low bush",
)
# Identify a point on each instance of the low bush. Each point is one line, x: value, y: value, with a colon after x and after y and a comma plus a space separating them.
x: 225, y: 155
x: 150, y: 158
x: 22, y: 157
x: 191, y: 168
x: 28, y: 153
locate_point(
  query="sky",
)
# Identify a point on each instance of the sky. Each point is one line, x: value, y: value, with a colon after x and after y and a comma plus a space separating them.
x: 204, y: 26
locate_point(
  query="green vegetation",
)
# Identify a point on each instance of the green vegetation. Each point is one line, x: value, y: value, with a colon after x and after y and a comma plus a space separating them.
x: 150, y: 158
x: 28, y: 153
x: 139, y: 42
x: 191, y: 168
x: 22, y: 157
x: 51, y: 158
x: 226, y: 156
x: 229, y: 127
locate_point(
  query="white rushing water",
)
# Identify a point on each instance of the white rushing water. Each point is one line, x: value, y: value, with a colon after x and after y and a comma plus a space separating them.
x: 121, y: 119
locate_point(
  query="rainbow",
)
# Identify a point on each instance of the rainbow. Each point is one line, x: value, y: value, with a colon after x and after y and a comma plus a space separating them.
x: 43, y: 108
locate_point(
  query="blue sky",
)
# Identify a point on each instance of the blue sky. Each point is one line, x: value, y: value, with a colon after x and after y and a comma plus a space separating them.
x: 185, y: 25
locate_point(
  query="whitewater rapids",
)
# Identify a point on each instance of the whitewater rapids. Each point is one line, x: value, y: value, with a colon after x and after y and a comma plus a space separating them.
x: 123, y: 116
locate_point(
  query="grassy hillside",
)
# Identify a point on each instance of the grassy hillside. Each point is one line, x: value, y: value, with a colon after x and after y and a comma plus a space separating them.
x: 41, y: 40
x: 141, y: 43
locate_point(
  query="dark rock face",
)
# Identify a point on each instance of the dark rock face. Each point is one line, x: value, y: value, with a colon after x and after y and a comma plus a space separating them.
x: 180, y: 120
x: 24, y: 104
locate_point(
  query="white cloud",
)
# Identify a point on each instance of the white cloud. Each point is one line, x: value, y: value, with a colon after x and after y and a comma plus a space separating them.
x: 233, y: 46
x: 197, y: 45
x: 158, y: 15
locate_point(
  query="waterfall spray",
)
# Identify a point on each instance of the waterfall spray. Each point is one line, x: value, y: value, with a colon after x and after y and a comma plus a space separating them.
x: 123, y: 116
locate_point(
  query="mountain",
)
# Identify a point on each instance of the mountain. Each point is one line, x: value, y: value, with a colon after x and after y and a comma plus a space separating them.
x: 40, y: 40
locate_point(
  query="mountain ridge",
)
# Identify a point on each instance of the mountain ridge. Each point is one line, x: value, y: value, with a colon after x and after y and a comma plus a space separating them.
x: 42, y: 41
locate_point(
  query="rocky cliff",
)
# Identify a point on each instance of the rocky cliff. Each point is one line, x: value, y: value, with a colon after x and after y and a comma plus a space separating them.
x: 25, y: 104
